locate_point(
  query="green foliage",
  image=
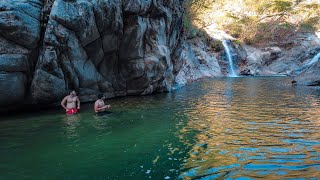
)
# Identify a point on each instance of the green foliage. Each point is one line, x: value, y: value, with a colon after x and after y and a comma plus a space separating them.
x: 237, y: 41
x: 194, y: 9
x: 310, y: 24
x: 187, y: 22
x: 280, y: 6
x: 255, y: 21
x: 215, y: 45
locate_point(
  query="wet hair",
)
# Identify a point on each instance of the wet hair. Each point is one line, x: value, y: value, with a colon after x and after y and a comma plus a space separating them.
x: 100, y: 96
x: 73, y: 91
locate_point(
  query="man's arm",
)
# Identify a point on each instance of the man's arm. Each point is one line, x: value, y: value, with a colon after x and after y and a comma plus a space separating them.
x: 63, y: 102
x: 78, y: 100
x: 107, y: 106
x: 97, y: 108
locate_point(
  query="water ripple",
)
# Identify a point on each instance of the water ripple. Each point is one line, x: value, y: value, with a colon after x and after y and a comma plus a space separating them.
x: 267, y: 130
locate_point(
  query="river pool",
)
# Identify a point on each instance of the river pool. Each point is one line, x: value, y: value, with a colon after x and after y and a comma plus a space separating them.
x: 223, y: 128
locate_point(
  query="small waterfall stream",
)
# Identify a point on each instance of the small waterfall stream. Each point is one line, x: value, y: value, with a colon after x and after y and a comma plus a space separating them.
x: 232, y: 72
x: 313, y: 60
x: 309, y: 64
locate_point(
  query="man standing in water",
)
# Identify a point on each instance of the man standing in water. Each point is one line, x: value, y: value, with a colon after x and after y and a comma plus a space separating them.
x: 99, y: 106
x: 72, y: 101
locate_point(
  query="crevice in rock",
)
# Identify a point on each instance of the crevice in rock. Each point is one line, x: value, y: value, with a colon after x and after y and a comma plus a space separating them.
x: 45, y: 13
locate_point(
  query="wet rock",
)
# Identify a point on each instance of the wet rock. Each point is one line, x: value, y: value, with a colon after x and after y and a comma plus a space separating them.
x: 309, y: 77
x: 294, y: 82
x: 14, y: 63
x: 246, y: 72
x: 194, y: 62
x: 20, y: 25
x: 137, y: 6
x: 240, y: 52
x: 13, y: 87
x: 289, y: 61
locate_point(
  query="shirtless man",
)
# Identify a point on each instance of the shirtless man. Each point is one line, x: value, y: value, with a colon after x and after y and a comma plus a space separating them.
x: 99, y: 106
x: 72, y: 100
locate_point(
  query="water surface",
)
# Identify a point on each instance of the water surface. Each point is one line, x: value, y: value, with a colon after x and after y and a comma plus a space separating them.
x: 228, y: 128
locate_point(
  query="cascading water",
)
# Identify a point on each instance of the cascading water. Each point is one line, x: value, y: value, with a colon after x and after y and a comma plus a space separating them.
x: 313, y: 60
x: 307, y: 65
x: 232, y: 72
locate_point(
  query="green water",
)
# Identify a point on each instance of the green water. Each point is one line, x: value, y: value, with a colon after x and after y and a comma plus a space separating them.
x: 226, y: 128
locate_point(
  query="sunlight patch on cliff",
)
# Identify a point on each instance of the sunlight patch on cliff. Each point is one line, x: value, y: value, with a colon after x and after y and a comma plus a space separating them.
x: 255, y: 22
x: 217, y: 33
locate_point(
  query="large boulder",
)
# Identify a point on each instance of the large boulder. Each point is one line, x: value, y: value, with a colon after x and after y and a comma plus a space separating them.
x: 79, y: 51
x: 289, y: 59
x: 148, y: 42
x: 19, y: 41
x: 110, y: 46
x: 194, y: 61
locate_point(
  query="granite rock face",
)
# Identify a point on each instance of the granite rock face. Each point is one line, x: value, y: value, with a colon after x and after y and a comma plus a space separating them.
x: 19, y: 42
x: 290, y: 60
x: 79, y: 50
x: 118, y: 48
x: 112, y: 47
x: 194, y: 61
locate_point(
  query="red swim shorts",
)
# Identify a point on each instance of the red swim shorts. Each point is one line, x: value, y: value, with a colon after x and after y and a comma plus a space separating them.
x: 72, y: 111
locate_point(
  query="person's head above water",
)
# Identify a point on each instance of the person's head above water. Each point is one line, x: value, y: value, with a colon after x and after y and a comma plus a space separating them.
x: 101, y: 96
x: 73, y: 93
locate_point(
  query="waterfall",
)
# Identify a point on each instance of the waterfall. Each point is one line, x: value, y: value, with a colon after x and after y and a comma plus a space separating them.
x: 232, y: 72
x: 313, y: 60
x: 307, y: 65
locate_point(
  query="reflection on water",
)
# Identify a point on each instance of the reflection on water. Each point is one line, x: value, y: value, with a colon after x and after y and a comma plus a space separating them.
x: 224, y: 128
x: 100, y: 123
x: 72, y: 122
x: 268, y: 131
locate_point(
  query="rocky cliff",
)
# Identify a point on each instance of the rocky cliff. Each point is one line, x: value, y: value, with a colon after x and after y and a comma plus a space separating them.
x: 122, y: 47
x: 128, y: 47
x: 20, y: 31
x: 297, y: 58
